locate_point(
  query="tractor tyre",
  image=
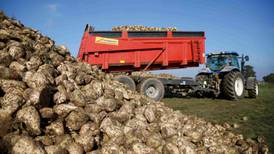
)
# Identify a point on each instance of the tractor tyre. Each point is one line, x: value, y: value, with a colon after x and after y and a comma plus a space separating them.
x: 233, y: 86
x: 200, y: 79
x: 254, y: 92
x: 152, y: 88
x: 128, y: 81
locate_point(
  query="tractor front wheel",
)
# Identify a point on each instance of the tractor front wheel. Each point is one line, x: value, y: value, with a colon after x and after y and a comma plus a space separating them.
x: 233, y: 85
x: 254, y: 92
x: 201, y: 79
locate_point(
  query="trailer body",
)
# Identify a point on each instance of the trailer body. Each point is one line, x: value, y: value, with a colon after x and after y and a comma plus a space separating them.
x: 128, y: 51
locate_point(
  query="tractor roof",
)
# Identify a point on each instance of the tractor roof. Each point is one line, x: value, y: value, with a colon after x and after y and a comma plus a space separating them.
x: 223, y: 53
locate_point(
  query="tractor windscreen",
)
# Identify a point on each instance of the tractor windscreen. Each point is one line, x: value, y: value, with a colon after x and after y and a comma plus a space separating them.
x: 218, y: 62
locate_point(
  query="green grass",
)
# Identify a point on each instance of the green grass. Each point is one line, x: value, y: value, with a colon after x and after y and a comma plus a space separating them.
x: 260, y: 112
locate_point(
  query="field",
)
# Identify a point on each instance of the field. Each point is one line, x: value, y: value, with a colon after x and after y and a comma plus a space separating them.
x: 259, y: 112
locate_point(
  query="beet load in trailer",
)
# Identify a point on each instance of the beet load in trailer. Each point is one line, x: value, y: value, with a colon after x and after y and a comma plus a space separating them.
x: 128, y: 51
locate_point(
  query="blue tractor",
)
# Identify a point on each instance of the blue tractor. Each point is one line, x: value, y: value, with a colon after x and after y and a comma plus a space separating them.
x: 224, y: 76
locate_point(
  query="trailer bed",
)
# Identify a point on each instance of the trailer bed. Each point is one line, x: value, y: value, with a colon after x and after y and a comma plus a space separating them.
x: 128, y: 51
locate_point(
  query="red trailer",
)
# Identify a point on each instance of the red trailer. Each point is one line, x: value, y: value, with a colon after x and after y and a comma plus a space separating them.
x: 128, y: 51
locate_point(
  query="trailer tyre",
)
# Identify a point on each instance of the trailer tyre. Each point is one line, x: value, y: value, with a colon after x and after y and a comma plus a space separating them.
x: 254, y: 92
x: 233, y: 85
x: 152, y: 88
x: 127, y: 81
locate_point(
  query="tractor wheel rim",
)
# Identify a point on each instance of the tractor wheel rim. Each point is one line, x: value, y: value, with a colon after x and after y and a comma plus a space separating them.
x: 152, y: 92
x: 257, y: 90
x: 239, y: 86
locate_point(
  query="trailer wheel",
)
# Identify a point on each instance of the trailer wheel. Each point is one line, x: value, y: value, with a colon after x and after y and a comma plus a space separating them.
x: 152, y: 88
x: 127, y: 81
x: 254, y: 92
x: 233, y: 85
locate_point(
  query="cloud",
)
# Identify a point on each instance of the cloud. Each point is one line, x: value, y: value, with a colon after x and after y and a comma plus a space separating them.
x: 49, y: 23
x: 53, y: 13
x: 52, y: 8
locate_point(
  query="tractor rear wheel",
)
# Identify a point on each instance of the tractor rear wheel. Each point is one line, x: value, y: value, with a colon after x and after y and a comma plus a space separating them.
x: 152, y: 88
x: 254, y: 92
x: 233, y: 85
x: 127, y: 81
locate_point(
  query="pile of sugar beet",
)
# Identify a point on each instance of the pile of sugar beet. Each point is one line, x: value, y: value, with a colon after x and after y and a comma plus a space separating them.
x: 150, y: 75
x: 142, y: 28
x: 53, y: 103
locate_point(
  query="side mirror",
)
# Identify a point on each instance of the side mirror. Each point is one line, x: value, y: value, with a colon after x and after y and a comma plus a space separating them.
x: 246, y: 58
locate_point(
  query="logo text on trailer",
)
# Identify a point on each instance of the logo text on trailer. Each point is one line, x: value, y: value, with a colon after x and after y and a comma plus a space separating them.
x: 108, y: 41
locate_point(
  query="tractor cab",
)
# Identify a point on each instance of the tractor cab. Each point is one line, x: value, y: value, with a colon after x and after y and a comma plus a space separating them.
x: 216, y: 62
x: 224, y: 76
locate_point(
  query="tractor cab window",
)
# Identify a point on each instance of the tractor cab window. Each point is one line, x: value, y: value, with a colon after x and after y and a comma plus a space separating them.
x: 234, y: 61
x: 218, y: 62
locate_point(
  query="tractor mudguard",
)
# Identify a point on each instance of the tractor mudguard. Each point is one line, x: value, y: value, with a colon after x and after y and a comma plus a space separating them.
x: 205, y: 71
x: 250, y: 81
x: 230, y: 69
